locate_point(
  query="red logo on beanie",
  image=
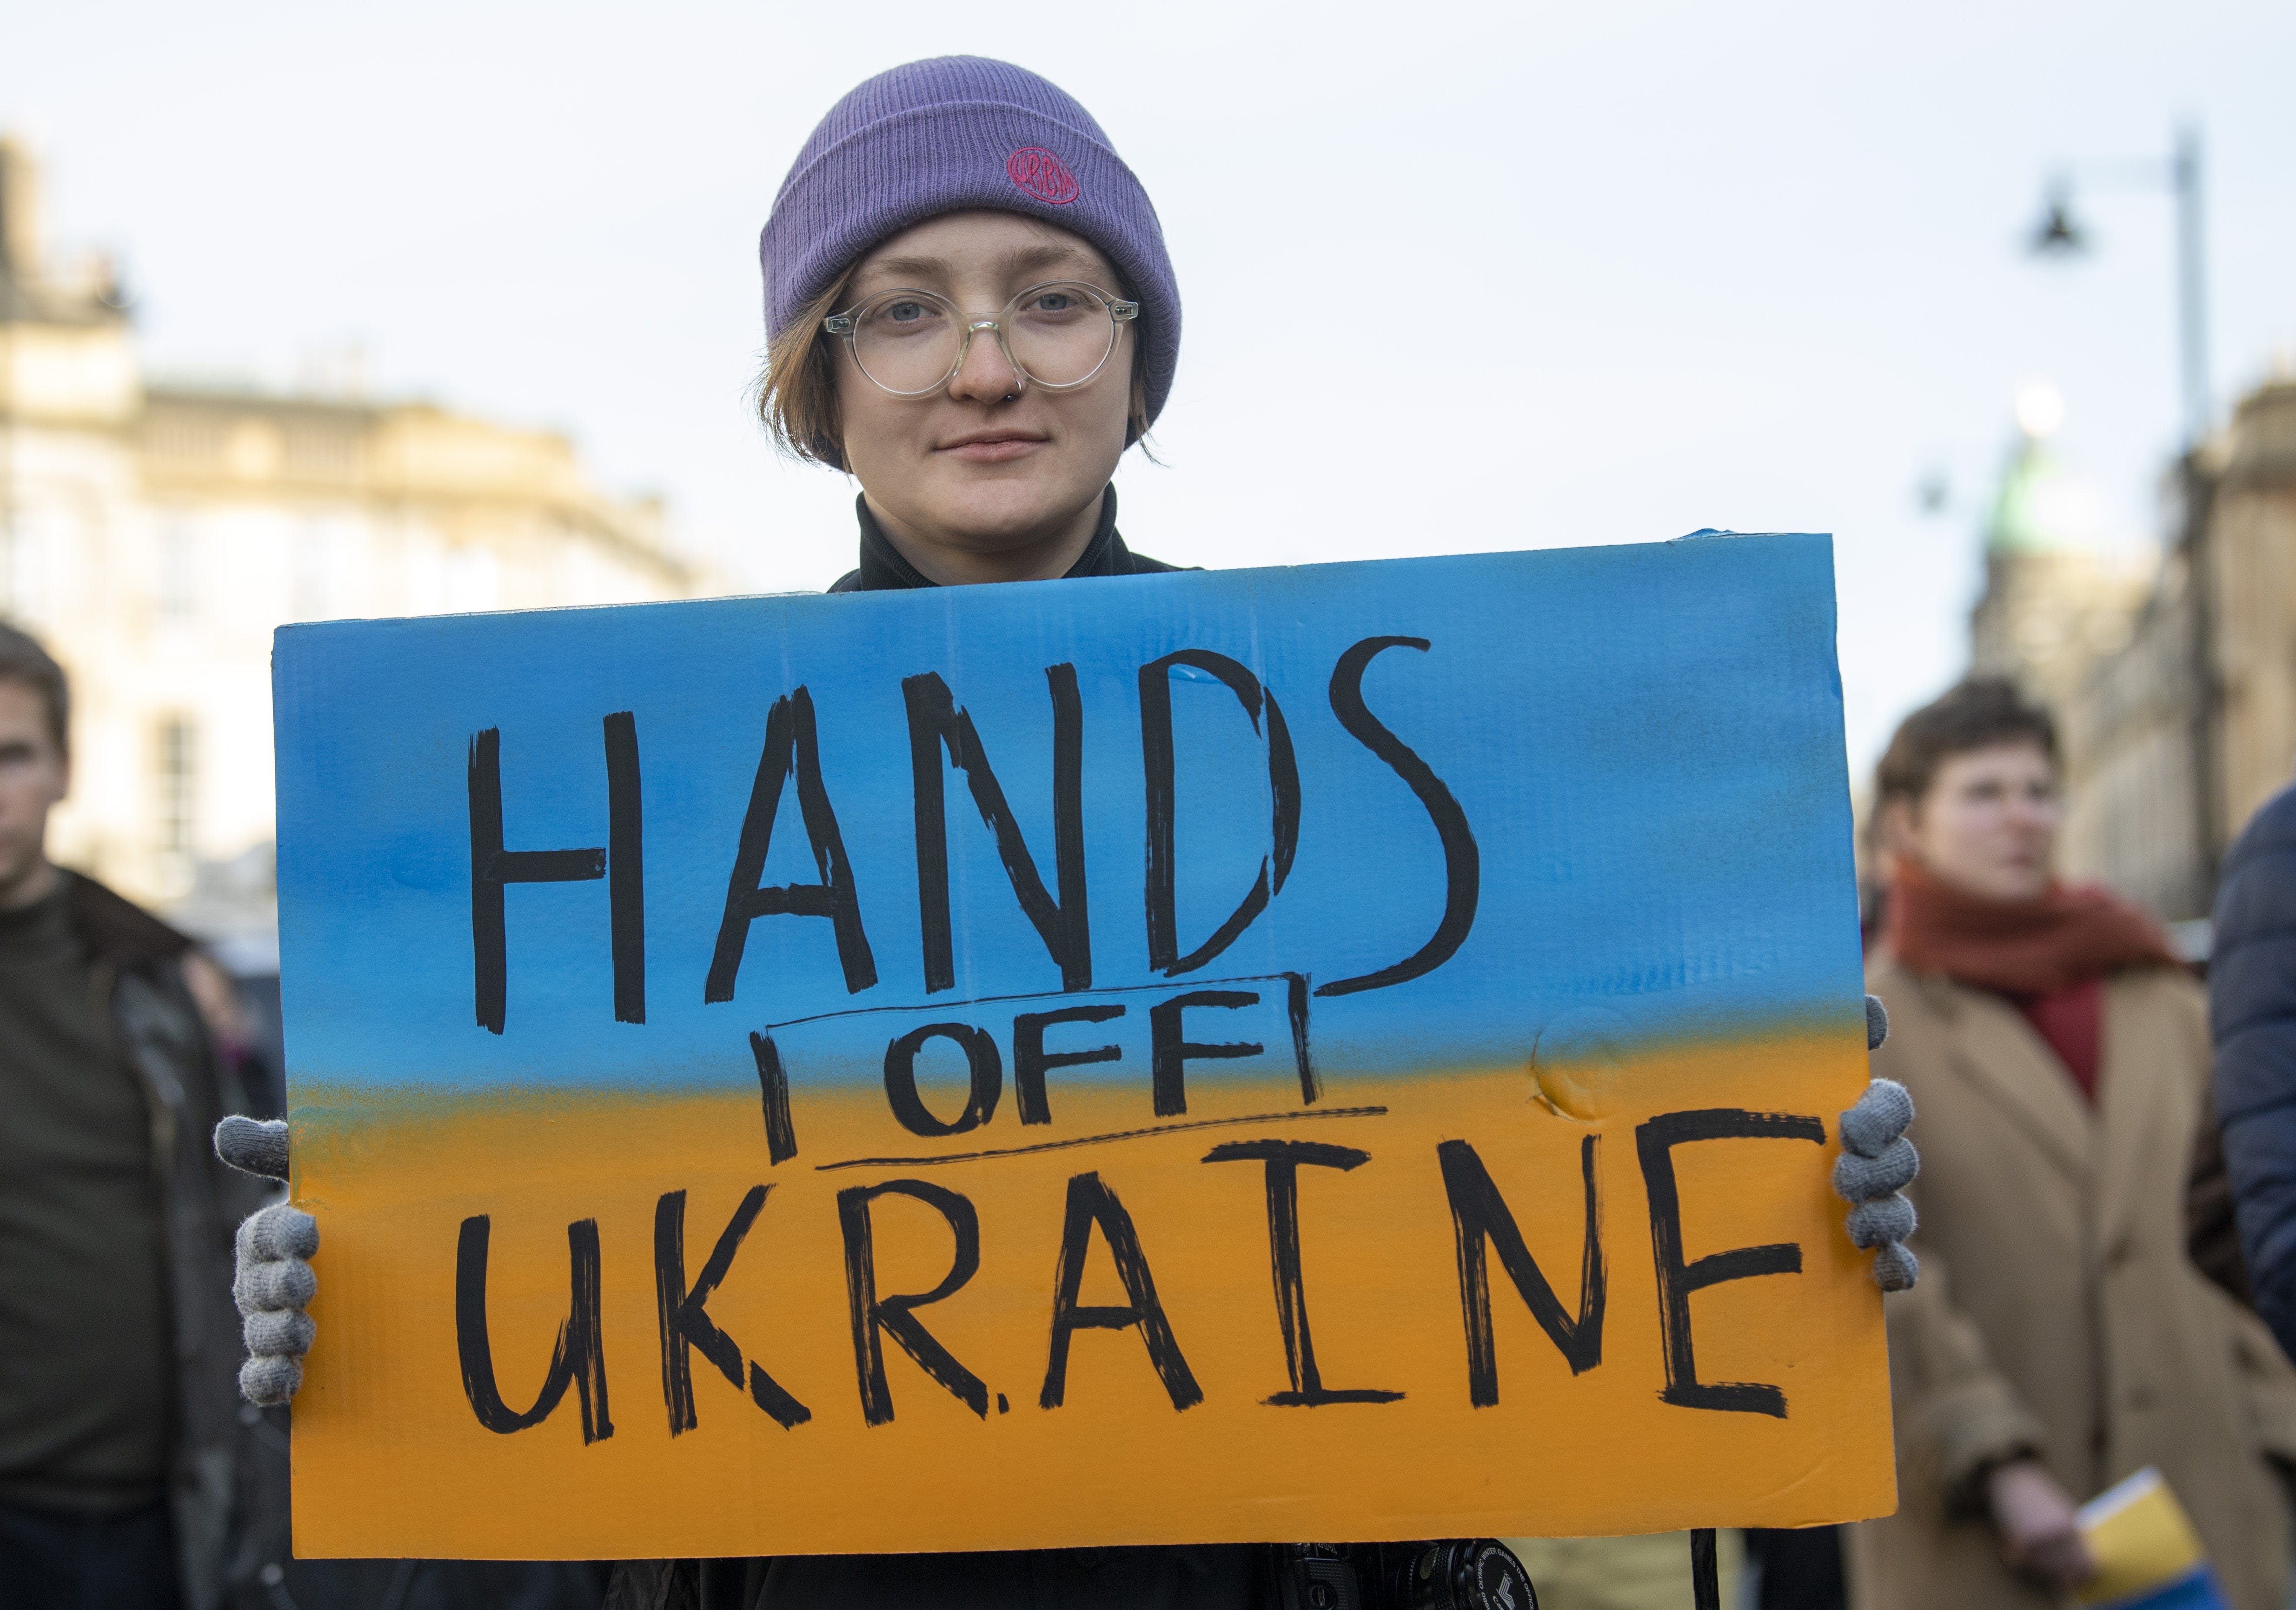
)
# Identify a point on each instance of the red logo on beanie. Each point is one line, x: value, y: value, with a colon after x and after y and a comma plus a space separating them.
x: 1042, y: 175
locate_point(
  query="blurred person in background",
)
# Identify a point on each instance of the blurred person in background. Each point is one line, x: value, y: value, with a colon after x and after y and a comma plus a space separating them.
x: 2061, y: 1338
x: 2252, y: 1013
x: 120, y: 1438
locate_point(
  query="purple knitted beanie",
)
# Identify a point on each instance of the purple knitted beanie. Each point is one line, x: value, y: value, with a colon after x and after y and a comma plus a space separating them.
x: 952, y: 133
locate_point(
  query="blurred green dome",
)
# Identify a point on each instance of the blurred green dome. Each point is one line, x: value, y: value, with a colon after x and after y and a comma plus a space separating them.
x: 2043, y: 506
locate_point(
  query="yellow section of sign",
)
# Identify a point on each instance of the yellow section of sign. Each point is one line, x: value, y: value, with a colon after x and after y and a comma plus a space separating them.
x: 2140, y: 1538
x: 391, y: 1456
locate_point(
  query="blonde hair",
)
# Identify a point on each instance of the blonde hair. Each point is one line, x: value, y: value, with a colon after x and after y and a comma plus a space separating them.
x: 797, y: 390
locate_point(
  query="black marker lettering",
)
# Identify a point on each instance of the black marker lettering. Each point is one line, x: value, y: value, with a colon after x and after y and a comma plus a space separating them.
x: 492, y: 868
x: 625, y: 865
x: 1655, y: 1143
x: 1090, y: 1203
x: 985, y: 1068
x: 1283, y: 1158
x: 935, y: 723
x: 1478, y: 1213
x: 1032, y: 1061
x: 578, y: 1360
x: 1461, y: 861
x: 1169, y: 1054
x: 1295, y: 1006
x: 873, y: 1315
x: 772, y: 1088
x: 1111, y: 1138
x: 684, y: 1319
x: 791, y: 750
x: 1157, y: 755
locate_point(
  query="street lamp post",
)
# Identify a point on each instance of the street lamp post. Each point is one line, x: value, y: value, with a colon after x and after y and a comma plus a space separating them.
x: 2060, y: 233
x: 2192, y: 284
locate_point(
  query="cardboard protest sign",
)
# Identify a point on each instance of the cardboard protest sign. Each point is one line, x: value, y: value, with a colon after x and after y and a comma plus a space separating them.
x: 1338, y: 1053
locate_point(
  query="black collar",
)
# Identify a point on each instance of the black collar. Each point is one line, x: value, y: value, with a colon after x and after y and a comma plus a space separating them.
x: 882, y: 568
x: 116, y: 931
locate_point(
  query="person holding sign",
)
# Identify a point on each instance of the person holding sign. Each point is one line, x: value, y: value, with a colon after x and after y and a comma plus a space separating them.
x: 971, y: 312
x: 2064, y: 1339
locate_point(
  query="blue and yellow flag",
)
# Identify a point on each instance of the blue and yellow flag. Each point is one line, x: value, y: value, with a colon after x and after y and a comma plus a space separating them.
x: 2148, y: 1556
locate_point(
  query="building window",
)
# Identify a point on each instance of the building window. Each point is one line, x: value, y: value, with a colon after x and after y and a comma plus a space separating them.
x: 23, y: 544
x: 177, y: 779
x: 178, y: 572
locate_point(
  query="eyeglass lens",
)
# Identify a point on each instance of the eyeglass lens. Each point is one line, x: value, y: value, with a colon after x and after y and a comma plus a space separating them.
x: 1058, y: 335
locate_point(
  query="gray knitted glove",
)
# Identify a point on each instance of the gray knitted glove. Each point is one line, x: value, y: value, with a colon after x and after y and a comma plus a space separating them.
x: 1876, y: 1164
x: 272, y: 1279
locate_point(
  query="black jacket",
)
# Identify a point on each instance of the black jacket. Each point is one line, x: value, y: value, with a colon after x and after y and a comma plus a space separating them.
x: 2252, y: 1015
x: 138, y: 962
x: 1205, y: 1577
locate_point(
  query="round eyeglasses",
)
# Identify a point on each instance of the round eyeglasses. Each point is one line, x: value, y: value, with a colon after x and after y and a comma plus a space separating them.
x: 911, y: 343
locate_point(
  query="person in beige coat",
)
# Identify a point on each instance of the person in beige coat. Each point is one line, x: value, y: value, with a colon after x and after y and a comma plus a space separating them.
x: 2061, y: 1337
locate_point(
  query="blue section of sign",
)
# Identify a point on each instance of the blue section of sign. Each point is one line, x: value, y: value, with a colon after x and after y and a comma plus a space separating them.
x: 1643, y: 745
x: 2196, y: 1590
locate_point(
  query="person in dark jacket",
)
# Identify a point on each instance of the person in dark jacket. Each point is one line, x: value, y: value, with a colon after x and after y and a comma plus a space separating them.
x: 2252, y: 1019
x: 970, y: 311
x: 121, y: 1441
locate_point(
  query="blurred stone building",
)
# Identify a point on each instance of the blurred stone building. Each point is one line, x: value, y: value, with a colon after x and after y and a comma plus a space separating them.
x: 2174, y: 683
x: 154, y: 536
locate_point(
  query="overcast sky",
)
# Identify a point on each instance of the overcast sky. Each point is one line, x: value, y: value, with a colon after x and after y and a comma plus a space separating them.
x: 1455, y: 276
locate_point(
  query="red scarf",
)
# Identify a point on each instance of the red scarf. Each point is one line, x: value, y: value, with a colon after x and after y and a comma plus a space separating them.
x: 2049, y: 956
x: 2067, y: 936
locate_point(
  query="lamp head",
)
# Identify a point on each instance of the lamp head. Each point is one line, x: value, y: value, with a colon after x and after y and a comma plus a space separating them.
x: 2058, y: 235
